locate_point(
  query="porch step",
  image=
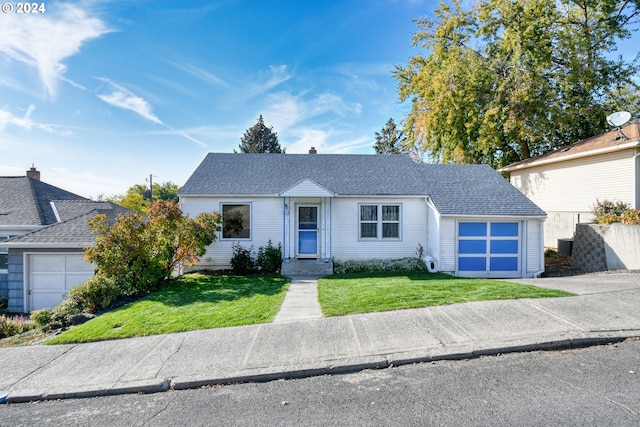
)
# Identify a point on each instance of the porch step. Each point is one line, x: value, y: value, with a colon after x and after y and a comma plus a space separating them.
x: 306, y: 267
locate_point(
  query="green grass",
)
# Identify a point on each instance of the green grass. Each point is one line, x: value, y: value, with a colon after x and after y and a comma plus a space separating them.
x: 344, y: 294
x: 194, y: 301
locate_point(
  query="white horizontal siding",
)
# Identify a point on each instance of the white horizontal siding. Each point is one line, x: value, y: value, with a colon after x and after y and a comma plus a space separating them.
x: 433, y: 237
x: 266, y: 223
x: 447, y: 245
x: 574, y: 185
x: 534, y: 246
x: 345, y: 225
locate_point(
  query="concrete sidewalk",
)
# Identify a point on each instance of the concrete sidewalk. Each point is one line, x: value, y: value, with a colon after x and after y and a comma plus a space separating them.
x: 605, y: 310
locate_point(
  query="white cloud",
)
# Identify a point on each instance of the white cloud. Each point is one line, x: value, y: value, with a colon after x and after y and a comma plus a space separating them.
x: 25, y: 122
x: 204, y: 75
x: 267, y: 80
x: 123, y: 98
x: 44, y: 41
x: 287, y: 110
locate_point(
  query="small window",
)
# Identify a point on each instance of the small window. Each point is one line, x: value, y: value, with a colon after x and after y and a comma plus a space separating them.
x: 236, y: 221
x: 4, y: 255
x: 379, y: 221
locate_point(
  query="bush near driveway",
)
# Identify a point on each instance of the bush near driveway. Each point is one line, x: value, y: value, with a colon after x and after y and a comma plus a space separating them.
x: 344, y: 294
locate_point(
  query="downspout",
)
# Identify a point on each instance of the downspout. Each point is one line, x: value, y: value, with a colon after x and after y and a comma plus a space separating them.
x: 636, y: 167
x: 284, y: 227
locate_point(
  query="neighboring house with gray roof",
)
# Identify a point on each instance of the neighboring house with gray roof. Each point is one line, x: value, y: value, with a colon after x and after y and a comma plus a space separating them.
x: 469, y: 220
x: 43, y: 232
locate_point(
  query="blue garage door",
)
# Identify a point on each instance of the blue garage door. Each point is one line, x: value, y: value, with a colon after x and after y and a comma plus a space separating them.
x: 489, y: 249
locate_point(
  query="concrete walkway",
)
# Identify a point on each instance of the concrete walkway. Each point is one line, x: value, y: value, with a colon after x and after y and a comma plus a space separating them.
x: 301, y: 301
x: 605, y: 310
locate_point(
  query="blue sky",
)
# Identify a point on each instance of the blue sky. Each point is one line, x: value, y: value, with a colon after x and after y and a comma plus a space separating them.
x: 98, y: 95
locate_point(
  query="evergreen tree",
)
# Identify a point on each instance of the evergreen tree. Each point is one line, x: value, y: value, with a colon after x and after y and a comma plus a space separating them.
x: 260, y: 139
x: 390, y: 139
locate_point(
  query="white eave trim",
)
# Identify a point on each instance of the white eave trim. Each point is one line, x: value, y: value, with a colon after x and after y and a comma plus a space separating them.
x: 495, y: 217
x: 36, y: 245
x: 605, y: 150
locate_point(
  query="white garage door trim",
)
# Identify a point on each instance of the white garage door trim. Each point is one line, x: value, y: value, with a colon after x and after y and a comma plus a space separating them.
x: 50, y: 275
x: 489, y: 248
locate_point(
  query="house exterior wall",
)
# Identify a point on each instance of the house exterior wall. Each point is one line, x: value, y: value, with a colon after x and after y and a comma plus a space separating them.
x: 274, y: 218
x: 568, y: 190
x: 16, y: 276
x: 266, y: 223
x: 432, y: 248
x: 532, y: 255
x: 448, y: 245
x: 534, y: 252
x: 346, y: 223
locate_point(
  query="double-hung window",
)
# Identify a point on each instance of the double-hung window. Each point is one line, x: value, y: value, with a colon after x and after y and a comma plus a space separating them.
x: 379, y: 221
x: 236, y: 221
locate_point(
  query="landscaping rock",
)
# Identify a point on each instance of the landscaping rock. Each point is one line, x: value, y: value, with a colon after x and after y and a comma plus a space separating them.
x: 79, y: 319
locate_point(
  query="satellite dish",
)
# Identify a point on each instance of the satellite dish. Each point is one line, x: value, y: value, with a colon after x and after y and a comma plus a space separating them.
x: 619, y: 118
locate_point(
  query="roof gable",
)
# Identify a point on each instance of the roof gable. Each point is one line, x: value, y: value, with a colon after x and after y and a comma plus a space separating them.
x: 306, y: 188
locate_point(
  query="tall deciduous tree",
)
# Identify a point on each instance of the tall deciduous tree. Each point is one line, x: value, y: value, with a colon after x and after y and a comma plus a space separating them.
x: 505, y: 80
x: 260, y: 139
x: 136, y: 200
x: 390, y: 139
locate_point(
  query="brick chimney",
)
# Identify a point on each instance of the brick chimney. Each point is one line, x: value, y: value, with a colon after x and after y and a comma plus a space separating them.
x: 33, y: 173
x: 313, y: 150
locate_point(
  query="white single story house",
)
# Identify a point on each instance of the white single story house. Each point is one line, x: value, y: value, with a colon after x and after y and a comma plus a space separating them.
x: 469, y: 219
x: 567, y: 183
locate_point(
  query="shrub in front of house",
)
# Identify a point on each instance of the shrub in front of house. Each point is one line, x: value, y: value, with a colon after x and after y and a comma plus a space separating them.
x: 379, y: 265
x: 58, y: 317
x: 269, y: 258
x: 242, y: 260
x: 608, y: 211
x: 97, y: 293
x: 13, y: 325
x: 631, y: 217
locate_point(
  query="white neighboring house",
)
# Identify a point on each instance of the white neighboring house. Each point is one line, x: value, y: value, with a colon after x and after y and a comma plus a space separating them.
x: 468, y: 218
x: 567, y: 183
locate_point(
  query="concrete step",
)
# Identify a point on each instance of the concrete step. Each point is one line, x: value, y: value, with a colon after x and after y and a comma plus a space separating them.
x: 306, y: 267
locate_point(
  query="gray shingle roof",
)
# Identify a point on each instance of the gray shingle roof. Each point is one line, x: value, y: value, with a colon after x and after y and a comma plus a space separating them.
x: 454, y: 189
x: 474, y: 190
x: 270, y: 174
x: 74, y: 230
x: 27, y: 201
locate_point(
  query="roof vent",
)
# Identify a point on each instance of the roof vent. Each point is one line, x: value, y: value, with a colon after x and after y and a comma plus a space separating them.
x: 313, y: 150
x: 33, y: 173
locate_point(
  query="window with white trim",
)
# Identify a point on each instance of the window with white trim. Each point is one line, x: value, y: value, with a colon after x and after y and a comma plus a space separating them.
x: 4, y: 255
x: 236, y: 221
x: 379, y: 221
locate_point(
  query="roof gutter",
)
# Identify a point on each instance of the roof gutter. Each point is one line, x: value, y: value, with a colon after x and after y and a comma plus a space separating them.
x: 52, y: 245
x: 541, y: 162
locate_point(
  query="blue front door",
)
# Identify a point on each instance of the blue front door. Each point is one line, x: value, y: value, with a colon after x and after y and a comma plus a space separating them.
x: 308, y: 231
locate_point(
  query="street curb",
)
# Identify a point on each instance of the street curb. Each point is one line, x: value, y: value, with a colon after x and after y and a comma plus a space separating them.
x: 366, y: 362
x: 155, y: 387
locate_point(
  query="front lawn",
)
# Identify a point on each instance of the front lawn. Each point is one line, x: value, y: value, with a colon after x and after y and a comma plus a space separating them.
x: 344, y: 294
x: 194, y: 301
